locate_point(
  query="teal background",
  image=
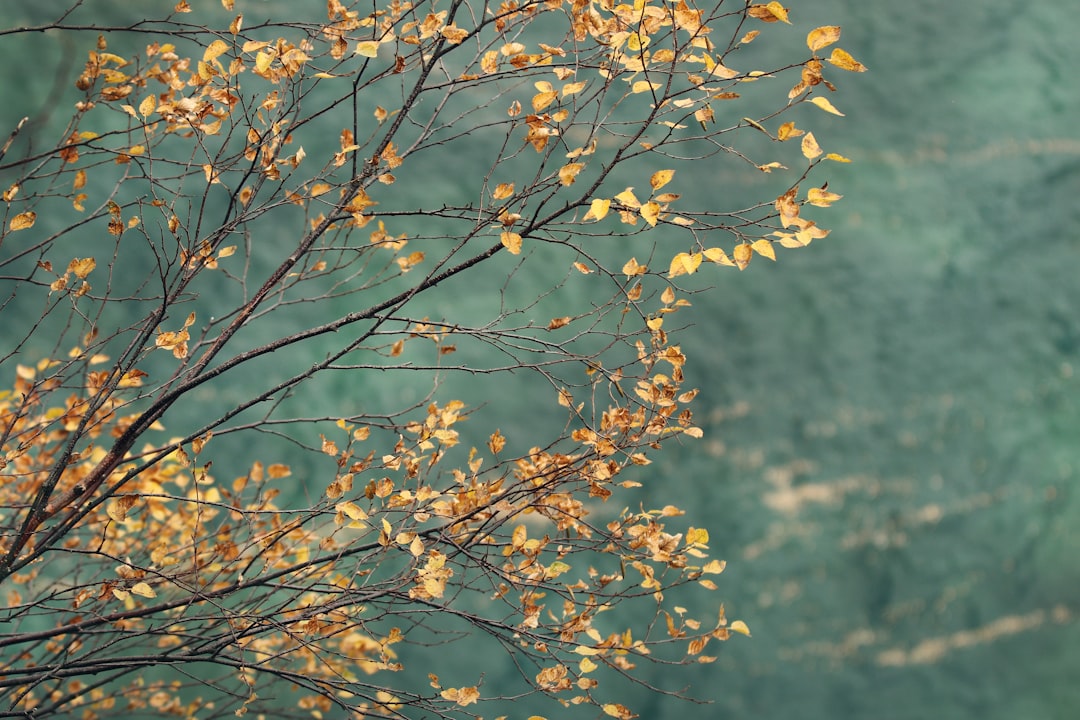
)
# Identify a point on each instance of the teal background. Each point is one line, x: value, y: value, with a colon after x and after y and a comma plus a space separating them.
x: 891, y: 415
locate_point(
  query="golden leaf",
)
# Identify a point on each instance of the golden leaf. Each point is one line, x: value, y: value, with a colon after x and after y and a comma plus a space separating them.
x: 631, y: 268
x: 626, y: 197
x: 598, y: 209
x: 769, y: 13
x: 684, y: 264
x: 810, y: 148
x: 616, y: 710
x: 643, y: 86
x: 503, y: 191
x: 352, y: 510
x: 740, y: 627
x: 718, y: 256
x: 837, y: 158
x: 714, y: 567
x: 743, y: 252
x: 764, y: 248
x: 143, y: 590
x: 822, y: 37
x: 558, y: 322
x: 574, y: 87
x: 511, y: 241
x: 545, y: 96
x: 568, y: 172
x: 82, y: 267
x: 23, y: 221
x: 821, y: 197
x: 778, y: 11
x: 651, y: 212
x: 453, y: 34
x: 824, y: 104
x: 366, y: 48
x: 844, y: 61
x: 660, y: 178
x: 148, y: 105
x: 215, y: 50
x: 117, y: 509
x: 788, y: 130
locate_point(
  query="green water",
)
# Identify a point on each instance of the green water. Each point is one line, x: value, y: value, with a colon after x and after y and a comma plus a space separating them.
x: 892, y: 415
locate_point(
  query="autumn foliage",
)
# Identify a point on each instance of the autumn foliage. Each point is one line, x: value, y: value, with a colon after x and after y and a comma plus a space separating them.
x: 193, y: 274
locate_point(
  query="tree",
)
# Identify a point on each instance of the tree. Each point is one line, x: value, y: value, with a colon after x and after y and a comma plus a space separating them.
x: 234, y: 474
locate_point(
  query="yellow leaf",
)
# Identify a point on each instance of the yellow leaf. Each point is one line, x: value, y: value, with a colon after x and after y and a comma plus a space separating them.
x: 626, y: 197
x: 147, y: 105
x: 643, y: 86
x: 616, y: 710
x: 631, y: 268
x: 764, y: 248
x: 821, y: 197
x: 545, y: 97
x: 585, y: 650
x: 684, y: 264
x: 755, y: 124
x: 788, y: 130
x: 574, y: 87
x: 352, y: 510
x: 824, y: 104
x: 82, y: 267
x: 660, y: 178
x: 454, y: 34
x: 503, y: 191
x: 461, y: 696
x: 844, y: 61
x: 598, y: 209
x: 740, y: 627
x: 367, y: 48
x: 822, y: 37
x: 778, y: 11
x: 215, y: 50
x: 582, y: 268
x: 837, y: 158
x: 568, y: 172
x: 23, y: 221
x: 117, y: 509
x: 143, y: 590
x: 714, y: 567
x: 743, y: 253
x: 810, y: 148
x: 717, y: 255
x: 651, y: 212
x: 586, y: 665
x: 511, y: 241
